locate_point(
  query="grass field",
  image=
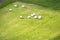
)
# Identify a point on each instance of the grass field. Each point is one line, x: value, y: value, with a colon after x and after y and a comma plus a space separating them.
x: 14, y: 28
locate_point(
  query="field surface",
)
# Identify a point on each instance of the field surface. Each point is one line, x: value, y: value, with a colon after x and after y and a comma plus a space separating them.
x: 14, y: 28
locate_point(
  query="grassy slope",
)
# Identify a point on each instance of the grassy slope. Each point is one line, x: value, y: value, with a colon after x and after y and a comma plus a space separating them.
x: 55, y: 4
x: 13, y: 28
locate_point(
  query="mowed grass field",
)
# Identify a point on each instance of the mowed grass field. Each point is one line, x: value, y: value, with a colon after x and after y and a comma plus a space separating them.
x: 14, y: 28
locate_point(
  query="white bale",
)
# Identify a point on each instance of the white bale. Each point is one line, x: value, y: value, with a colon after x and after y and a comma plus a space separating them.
x: 10, y: 9
x: 33, y: 14
x: 23, y: 6
x: 29, y: 17
x: 21, y: 17
x: 15, y: 5
x: 39, y: 17
x: 35, y: 17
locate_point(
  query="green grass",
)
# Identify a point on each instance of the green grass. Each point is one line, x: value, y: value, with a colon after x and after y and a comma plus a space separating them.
x: 14, y: 28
